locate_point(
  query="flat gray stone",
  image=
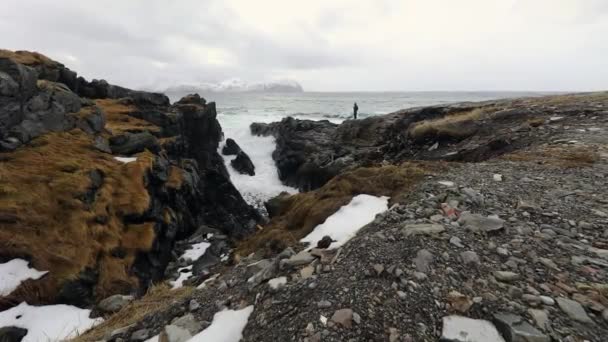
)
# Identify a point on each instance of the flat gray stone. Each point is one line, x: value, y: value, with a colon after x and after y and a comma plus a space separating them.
x: 506, y: 276
x: 470, y: 257
x: 514, y: 329
x: 540, y: 318
x: 479, y: 223
x: 173, y: 333
x: 464, y: 329
x: 422, y: 229
x: 114, y: 303
x: 423, y: 260
x: 302, y: 258
x: 189, y: 323
x: 574, y: 310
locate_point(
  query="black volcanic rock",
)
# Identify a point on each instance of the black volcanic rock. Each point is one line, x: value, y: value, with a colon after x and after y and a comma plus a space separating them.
x: 243, y: 164
x: 231, y: 148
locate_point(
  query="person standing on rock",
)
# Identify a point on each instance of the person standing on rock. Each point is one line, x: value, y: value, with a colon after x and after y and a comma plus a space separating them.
x: 355, y: 110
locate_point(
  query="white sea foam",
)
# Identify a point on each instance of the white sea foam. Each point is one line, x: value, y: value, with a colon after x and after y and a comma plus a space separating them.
x: 265, y: 184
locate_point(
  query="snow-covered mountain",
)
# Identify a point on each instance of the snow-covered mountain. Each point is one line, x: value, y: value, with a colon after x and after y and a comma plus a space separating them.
x: 238, y: 85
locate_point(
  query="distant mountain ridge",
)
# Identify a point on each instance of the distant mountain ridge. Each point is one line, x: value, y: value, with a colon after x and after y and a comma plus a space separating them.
x: 237, y: 85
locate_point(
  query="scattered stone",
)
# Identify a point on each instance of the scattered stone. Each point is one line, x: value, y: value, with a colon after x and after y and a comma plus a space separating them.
x: 531, y: 299
x: 189, y: 323
x: 420, y: 276
x: 302, y: 258
x: 605, y: 315
x: 423, y: 229
x: 455, y: 240
x: 12, y: 334
x: 114, y: 303
x: 393, y: 335
x: 506, y: 276
x: 277, y: 283
x: 549, y: 263
x: 479, y: 223
x: 423, y: 260
x: 307, y: 272
x: 547, y: 300
x: 173, y: 333
x: 502, y: 251
x: 514, y: 328
x: 459, y: 301
x: 140, y: 335
x: 323, y: 304
x: 540, y: 318
x: 574, y: 310
x: 470, y: 257
x: 193, y: 305
x: 497, y: 177
x: 449, y: 184
x: 463, y: 329
x: 379, y: 269
x: 325, y: 242
x: 356, y: 318
x: 343, y: 317
x: 401, y: 294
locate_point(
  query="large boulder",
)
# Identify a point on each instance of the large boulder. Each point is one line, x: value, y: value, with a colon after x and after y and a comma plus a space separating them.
x: 231, y: 148
x: 243, y: 164
x: 131, y: 143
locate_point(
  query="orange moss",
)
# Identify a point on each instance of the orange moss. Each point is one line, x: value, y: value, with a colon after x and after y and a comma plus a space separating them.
x: 158, y: 298
x: 302, y: 212
x: 557, y: 156
x: 27, y: 57
x: 118, y: 119
x: 176, y: 178
x: 43, y: 187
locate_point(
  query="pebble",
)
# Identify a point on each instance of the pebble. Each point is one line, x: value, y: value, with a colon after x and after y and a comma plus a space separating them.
x: 547, y: 300
x: 401, y: 294
x: 140, y: 335
x: 455, y: 240
x: 193, y: 305
x: 423, y: 260
x: 322, y: 304
x: 574, y: 310
x: 506, y: 276
x: 379, y: 269
x: 470, y: 257
x: 502, y: 251
x: 343, y: 317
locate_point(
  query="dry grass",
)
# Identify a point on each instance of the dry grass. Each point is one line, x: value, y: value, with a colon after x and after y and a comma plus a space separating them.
x: 158, y: 298
x: 558, y: 156
x: 176, y: 178
x: 27, y: 57
x: 304, y: 211
x: 118, y: 119
x: 41, y: 189
x: 456, y: 125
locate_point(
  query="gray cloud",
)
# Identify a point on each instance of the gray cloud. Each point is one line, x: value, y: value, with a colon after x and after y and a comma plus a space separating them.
x: 337, y: 45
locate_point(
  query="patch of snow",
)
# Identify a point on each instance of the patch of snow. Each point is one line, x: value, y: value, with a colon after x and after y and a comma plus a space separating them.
x: 153, y: 339
x: 48, y: 323
x: 346, y: 222
x: 126, y: 159
x: 227, y: 326
x: 183, y: 276
x: 446, y: 183
x: 277, y: 282
x: 14, y: 272
x: 195, y: 251
x: 463, y: 329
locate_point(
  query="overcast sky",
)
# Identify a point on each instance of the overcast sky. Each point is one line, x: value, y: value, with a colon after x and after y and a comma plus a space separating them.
x: 326, y: 45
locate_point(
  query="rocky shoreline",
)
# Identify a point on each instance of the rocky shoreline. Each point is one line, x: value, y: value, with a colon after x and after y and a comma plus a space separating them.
x: 497, y: 227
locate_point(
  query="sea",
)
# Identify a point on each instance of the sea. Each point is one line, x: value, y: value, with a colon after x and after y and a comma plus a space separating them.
x: 236, y: 112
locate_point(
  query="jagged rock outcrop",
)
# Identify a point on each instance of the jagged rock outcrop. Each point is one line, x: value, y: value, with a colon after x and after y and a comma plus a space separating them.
x: 243, y: 164
x: 309, y: 153
x: 231, y: 147
x: 112, y: 224
x: 30, y: 107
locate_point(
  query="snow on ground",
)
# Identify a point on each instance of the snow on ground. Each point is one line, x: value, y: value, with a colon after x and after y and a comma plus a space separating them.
x: 227, y: 326
x: 184, y: 274
x: 125, y: 159
x: 48, y: 323
x: 458, y: 328
x: 265, y: 184
x: 344, y: 223
x: 196, y: 251
x: 14, y: 272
